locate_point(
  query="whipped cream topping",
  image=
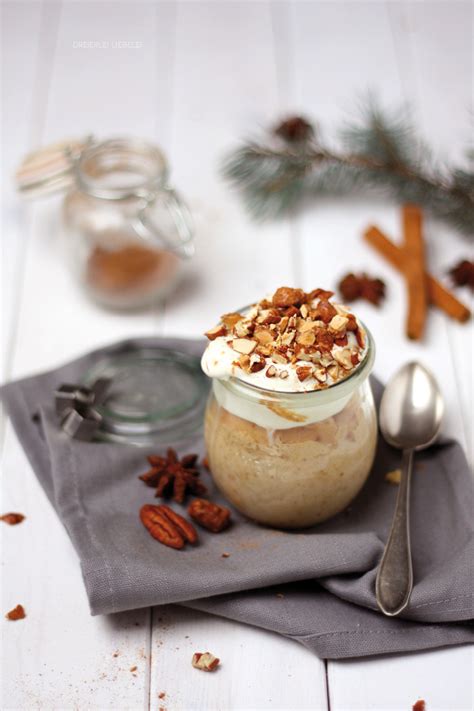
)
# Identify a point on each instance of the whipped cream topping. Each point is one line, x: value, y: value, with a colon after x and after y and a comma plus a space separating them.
x: 291, y: 342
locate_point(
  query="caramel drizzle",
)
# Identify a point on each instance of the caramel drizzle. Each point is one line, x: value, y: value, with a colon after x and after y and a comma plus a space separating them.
x: 283, y: 412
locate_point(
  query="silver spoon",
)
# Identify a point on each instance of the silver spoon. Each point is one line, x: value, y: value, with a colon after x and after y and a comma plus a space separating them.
x: 410, y: 418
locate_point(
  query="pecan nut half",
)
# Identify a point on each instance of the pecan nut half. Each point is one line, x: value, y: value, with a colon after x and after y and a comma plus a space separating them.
x: 211, y: 516
x: 185, y: 528
x: 167, y: 527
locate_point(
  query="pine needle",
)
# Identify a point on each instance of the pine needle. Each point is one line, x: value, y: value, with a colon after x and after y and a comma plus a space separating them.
x: 379, y: 152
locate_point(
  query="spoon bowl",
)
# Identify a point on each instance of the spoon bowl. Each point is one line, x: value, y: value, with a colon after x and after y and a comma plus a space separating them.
x: 412, y: 408
x: 411, y: 412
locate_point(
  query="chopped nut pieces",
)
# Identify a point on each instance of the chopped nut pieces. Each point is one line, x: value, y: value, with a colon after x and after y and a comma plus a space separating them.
x: 133, y: 669
x: 232, y: 319
x: 353, y: 287
x: 225, y: 555
x: 167, y: 526
x: 171, y: 475
x: 205, y: 661
x: 302, y: 331
x: 216, y: 332
x: 244, y: 345
x: 462, y: 274
x: 18, y: 613
x: 286, y: 296
x: 211, y: 516
x: 12, y: 518
x: 304, y: 372
x: 394, y: 477
x: 338, y: 324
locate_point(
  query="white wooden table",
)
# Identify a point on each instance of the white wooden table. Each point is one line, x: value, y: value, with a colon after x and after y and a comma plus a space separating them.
x: 203, y: 74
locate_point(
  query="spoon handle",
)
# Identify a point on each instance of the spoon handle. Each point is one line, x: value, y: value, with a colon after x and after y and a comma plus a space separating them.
x: 394, y: 581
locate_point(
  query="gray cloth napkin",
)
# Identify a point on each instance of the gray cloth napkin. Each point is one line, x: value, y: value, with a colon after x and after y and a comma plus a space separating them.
x: 315, y: 586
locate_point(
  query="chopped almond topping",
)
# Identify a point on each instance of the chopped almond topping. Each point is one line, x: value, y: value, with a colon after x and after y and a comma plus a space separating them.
x: 243, y: 328
x: 325, y: 311
x: 244, y: 362
x: 288, y: 338
x: 303, y: 372
x: 333, y: 371
x: 306, y: 339
x: 279, y: 357
x: 243, y: 345
x: 216, y: 332
x: 268, y: 316
x: 264, y: 337
x: 344, y: 358
x: 304, y: 326
x: 257, y: 362
x: 302, y: 331
x: 320, y: 375
x: 264, y: 350
x: 286, y: 296
x: 341, y: 340
x: 338, y: 324
x: 230, y: 320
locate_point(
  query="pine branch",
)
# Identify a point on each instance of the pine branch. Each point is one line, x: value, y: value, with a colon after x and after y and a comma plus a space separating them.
x: 378, y: 153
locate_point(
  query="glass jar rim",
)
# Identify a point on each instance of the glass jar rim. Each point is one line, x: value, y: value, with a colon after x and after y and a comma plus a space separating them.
x: 309, y: 398
x: 146, y: 159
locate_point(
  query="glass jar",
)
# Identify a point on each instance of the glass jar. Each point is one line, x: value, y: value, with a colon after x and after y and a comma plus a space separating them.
x: 292, y: 460
x: 127, y: 231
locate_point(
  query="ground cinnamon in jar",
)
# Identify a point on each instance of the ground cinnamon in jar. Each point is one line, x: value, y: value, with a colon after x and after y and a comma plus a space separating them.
x: 130, y: 271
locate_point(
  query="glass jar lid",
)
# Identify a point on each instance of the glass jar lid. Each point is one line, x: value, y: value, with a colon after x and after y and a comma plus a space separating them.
x: 155, y: 396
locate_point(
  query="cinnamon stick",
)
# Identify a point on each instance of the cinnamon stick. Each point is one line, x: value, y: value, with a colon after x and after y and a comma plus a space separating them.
x: 438, y: 295
x: 414, y: 270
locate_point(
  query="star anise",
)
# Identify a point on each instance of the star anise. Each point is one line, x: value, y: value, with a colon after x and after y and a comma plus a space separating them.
x: 294, y: 129
x: 462, y: 274
x: 361, y: 286
x: 173, y: 476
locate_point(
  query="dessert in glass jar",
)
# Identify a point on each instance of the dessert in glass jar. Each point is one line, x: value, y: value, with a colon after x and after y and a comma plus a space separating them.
x: 290, y: 425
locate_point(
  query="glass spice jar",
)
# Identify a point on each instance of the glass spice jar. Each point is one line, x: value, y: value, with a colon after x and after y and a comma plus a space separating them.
x: 128, y: 231
x: 292, y: 460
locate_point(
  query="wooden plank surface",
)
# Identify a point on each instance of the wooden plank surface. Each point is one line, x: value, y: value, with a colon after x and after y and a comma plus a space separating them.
x: 206, y: 73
